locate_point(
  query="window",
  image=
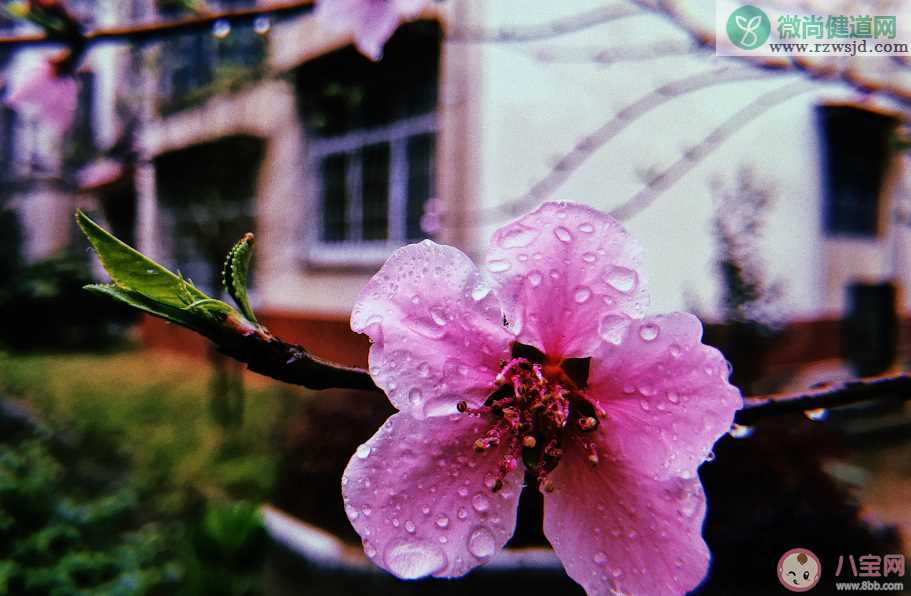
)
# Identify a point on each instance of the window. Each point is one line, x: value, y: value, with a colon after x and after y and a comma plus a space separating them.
x: 195, y: 65
x: 372, y: 139
x: 857, y: 149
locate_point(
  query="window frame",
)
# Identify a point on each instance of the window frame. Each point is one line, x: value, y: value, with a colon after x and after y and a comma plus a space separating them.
x: 354, y: 251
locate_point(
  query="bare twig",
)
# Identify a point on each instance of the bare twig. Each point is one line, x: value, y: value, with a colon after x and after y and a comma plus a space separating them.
x: 147, y: 32
x: 566, y: 165
x: 554, y: 28
x: 844, y: 393
x: 692, y: 157
x: 814, y: 70
x: 613, y: 55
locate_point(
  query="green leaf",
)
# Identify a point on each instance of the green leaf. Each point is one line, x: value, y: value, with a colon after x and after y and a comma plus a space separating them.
x: 236, y: 274
x: 147, y: 286
x: 131, y: 269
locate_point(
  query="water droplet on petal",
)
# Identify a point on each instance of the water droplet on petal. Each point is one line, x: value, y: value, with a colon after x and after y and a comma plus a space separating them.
x: 424, y: 369
x: 816, y: 414
x: 498, y: 265
x: 409, y: 526
x: 645, y: 405
x: 674, y: 350
x: 534, y: 278
x: 462, y: 514
x: 480, y: 292
x: 586, y: 227
x: 582, y: 294
x: 739, y: 431
x: 480, y: 503
x: 352, y: 513
x: 589, y: 257
x: 673, y: 397
x: 411, y: 560
x: 442, y: 521
x: 649, y: 332
x: 369, y: 550
x: 600, y: 558
x: 481, y: 543
x: 363, y: 451
x: 438, y: 314
x: 622, y: 279
x: 612, y: 329
x: 519, y: 237
x: 563, y: 234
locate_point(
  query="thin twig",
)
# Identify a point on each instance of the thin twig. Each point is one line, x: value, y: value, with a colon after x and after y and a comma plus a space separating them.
x: 845, y: 393
x: 814, y: 70
x: 147, y: 32
x: 573, y: 159
x: 692, y: 157
x: 554, y: 28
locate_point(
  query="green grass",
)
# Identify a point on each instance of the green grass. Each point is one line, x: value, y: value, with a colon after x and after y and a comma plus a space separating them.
x: 153, y: 410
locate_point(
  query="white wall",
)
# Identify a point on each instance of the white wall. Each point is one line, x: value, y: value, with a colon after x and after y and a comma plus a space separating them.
x: 532, y: 111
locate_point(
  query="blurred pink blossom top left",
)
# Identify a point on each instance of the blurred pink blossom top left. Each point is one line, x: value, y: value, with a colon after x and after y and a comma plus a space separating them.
x: 371, y: 22
x: 40, y: 92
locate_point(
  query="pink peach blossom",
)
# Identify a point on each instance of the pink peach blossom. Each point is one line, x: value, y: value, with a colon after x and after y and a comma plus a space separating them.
x: 543, y: 366
x: 371, y: 22
x: 47, y: 95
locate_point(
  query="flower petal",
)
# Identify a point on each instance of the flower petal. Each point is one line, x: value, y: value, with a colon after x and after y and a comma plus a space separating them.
x: 419, y: 496
x: 371, y: 22
x: 559, y: 270
x: 620, y: 532
x: 49, y: 97
x: 436, y: 328
x: 666, y: 394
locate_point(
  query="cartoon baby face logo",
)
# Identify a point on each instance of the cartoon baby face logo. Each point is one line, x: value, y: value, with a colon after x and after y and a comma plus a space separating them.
x: 799, y: 570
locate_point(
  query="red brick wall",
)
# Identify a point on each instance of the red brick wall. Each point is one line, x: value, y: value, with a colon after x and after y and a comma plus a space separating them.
x: 325, y: 337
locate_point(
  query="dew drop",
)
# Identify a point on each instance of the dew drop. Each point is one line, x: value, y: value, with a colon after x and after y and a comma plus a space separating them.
x: 600, y: 558
x: 261, y: 25
x: 480, y: 292
x: 363, y: 451
x: 490, y: 481
x: 425, y: 510
x: 582, y: 294
x: 498, y: 265
x: 411, y: 560
x: 221, y: 29
x: 673, y: 397
x: 740, y: 431
x: 438, y: 315
x: 562, y: 234
x: 415, y: 396
x: 481, y: 543
x: 409, y: 526
x: 352, y: 513
x: 816, y: 414
x: 586, y: 227
x: 462, y: 513
x: 463, y: 492
x: 589, y: 257
x: 612, y: 329
x: 442, y: 522
x: 649, y: 332
x: 480, y: 503
x: 675, y: 351
x: 622, y: 279
x: 424, y: 369
x: 369, y: 550
x: 519, y: 237
x: 645, y: 405
x: 534, y: 278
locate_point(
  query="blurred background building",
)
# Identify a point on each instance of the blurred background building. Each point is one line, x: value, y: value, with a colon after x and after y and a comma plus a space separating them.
x: 284, y: 129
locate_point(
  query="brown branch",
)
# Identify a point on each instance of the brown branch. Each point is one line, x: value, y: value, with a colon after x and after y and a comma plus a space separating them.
x: 692, y: 157
x: 146, y: 32
x: 845, y: 393
x: 268, y: 355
